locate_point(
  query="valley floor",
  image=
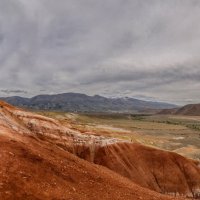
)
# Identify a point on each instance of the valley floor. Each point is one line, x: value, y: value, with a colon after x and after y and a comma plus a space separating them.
x: 179, y: 134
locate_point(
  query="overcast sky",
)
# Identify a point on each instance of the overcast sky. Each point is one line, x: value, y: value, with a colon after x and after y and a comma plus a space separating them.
x: 148, y: 49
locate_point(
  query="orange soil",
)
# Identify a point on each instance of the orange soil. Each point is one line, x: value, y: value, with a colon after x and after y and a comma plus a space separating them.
x: 155, y: 169
x: 32, y: 168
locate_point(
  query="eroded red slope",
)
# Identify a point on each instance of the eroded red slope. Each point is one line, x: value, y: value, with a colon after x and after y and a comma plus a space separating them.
x: 35, y: 168
x: 162, y: 171
x: 31, y: 170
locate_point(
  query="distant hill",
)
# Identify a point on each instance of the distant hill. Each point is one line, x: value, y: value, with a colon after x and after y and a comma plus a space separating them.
x: 190, y: 109
x: 75, y: 102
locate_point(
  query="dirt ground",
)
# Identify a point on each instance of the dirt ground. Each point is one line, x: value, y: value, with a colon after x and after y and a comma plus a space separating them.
x: 32, y: 167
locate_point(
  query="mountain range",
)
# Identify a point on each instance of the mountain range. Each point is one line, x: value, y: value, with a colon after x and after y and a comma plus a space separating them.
x: 76, y: 102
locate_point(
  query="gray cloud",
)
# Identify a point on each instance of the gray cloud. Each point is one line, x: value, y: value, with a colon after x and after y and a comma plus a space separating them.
x: 8, y: 92
x: 146, y: 48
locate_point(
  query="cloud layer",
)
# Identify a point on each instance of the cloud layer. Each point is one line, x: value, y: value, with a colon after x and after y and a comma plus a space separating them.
x: 148, y: 48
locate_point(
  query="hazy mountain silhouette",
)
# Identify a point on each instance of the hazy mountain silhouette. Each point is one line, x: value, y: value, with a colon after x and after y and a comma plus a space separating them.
x: 83, y: 103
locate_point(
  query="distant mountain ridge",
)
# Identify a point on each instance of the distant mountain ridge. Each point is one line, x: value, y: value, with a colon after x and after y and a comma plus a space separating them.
x: 190, y: 109
x: 76, y: 102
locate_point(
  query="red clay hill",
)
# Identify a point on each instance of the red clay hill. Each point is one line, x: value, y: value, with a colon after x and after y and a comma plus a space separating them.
x: 36, y: 164
x: 161, y: 171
